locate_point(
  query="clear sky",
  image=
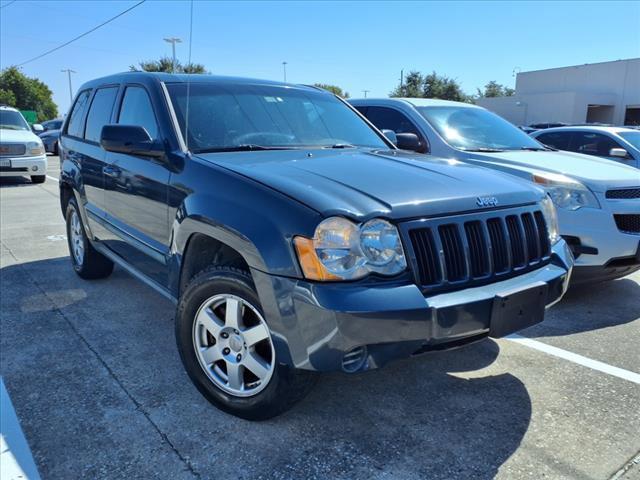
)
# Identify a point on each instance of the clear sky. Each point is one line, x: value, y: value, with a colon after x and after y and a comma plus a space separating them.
x: 356, y: 45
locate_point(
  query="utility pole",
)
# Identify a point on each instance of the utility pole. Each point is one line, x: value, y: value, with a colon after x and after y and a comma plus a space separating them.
x: 68, y: 71
x: 402, y: 82
x: 365, y: 92
x: 284, y: 71
x: 173, y: 41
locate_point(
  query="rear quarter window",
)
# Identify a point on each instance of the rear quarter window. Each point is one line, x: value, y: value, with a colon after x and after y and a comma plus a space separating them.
x: 75, y: 127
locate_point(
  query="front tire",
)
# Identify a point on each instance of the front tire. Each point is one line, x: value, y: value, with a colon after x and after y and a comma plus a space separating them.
x: 87, y: 262
x: 38, y: 178
x: 227, y: 349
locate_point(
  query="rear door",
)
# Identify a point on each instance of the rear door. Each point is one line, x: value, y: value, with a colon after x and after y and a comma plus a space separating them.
x: 136, y: 193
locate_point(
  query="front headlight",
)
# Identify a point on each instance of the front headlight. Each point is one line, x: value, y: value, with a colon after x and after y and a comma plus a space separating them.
x: 565, y: 192
x: 551, y: 218
x: 343, y: 250
x: 35, y: 148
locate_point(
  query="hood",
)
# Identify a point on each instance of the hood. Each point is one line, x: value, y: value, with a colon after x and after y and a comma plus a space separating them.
x: 362, y: 184
x: 17, y: 136
x: 598, y: 174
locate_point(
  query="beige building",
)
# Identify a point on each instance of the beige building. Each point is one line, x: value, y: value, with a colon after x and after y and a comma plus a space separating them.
x: 607, y: 92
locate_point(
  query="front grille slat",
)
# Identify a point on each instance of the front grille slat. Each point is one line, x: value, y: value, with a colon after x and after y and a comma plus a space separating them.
x: 452, y: 251
x: 11, y: 149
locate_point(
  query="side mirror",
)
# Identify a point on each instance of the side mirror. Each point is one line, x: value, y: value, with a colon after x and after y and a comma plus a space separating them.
x: 36, y: 127
x: 129, y: 139
x: 618, y: 153
x: 409, y: 141
x: 391, y: 136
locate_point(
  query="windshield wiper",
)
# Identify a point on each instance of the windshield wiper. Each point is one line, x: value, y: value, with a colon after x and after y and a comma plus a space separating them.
x: 538, y: 149
x: 340, y: 145
x: 483, y: 149
x: 246, y: 147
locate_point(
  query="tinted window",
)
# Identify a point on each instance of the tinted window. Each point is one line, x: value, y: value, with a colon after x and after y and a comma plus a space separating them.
x: 476, y: 129
x: 100, y: 112
x: 137, y: 110
x: 390, y: 119
x: 76, y: 117
x: 593, y: 144
x: 12, y: 120
x: 228, y: 116
x: 559, y: 140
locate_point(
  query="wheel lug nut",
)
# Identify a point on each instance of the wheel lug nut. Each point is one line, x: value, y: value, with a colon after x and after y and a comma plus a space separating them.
x: 239, y: 357
x: 226, y: 351
x: 225, y: 335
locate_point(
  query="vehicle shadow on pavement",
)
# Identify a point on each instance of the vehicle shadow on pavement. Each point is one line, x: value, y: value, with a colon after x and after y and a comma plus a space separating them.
x: 591, y: 307
x: 8, y: 182
x: 114, y: 398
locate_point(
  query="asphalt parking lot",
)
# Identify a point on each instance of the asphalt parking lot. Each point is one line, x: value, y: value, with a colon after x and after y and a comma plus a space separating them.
x: 97, y: 384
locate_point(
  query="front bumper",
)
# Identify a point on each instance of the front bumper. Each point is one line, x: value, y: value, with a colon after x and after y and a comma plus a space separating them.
x: 314, y: 325
x: 19, y: 166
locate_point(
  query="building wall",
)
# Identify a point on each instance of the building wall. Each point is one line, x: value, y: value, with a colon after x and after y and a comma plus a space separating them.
x: 564, y: 94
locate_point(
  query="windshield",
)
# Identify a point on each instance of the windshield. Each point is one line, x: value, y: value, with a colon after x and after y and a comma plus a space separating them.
x: 12, y: 120
x: 632, y: 137
x: 256, y: 117
x: 476, y: 129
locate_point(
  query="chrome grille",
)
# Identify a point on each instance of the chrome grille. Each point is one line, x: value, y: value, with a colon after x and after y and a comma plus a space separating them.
x: 624, y: 193
x: 12, y: 149
x: 471, y: 250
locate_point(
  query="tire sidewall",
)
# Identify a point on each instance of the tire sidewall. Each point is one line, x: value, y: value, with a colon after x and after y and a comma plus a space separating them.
x: 201, y: 289
x: 71, y: 207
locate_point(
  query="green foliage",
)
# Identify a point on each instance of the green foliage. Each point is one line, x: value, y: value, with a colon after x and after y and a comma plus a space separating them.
x: 24, y: 93
x: 495, y: 89
x: 165, y: 64
x: 417, y: 85
x: 333, y: 89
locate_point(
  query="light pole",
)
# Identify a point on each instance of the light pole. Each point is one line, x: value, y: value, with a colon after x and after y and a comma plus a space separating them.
x: 284, y: 70
x: 173, y: 41
x: 365, y: 92
x: 69, y: 72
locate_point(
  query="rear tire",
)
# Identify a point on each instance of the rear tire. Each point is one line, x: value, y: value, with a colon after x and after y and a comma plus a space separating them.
x: 210, y: 341
x: 38, y: 178
x: 87, y: 262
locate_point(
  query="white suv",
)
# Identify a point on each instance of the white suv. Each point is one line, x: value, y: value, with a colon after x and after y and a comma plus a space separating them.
x: 21, y: 150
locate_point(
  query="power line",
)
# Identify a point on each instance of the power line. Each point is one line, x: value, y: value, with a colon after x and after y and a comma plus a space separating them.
x: 82, y: 35
x: 8, y: 3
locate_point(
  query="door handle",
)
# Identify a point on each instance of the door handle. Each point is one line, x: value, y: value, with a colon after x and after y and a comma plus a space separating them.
x: 111, y: 171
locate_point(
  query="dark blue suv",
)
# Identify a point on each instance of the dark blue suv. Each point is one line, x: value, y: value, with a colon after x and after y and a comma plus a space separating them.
x: 293, y: 236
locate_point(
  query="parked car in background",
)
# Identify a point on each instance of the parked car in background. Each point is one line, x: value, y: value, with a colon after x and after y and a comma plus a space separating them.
x: 542, y: 126
x: 292, y: 235
x: 527, y: 130
x: 621, y: 144
x: 21, y: 151
x: 48, y: 125
x: 598, y: 200
x: 50, y: 140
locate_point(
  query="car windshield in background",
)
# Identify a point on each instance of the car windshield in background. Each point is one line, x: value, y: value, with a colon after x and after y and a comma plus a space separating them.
x: 11, y: 120
x: 475, y: 129
x: 632, y: 137
x: 227, y: 117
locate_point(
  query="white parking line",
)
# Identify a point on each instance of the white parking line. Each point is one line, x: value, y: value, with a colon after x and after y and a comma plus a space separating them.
x: 575, y: 358
x: 52, y: 178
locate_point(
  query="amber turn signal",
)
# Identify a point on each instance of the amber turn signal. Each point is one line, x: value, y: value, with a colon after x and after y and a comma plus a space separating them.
x: 309, y: 261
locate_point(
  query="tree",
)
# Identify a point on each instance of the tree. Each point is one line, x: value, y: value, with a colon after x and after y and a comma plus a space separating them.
x: 495, y: 89
x: 333, y: 89
x: 417, y: 85
x: 165, y: 64
x: 24, y: 93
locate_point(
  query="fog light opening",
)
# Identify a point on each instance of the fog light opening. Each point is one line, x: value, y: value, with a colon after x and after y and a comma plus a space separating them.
x: 34, y: 168
x: 354, y: 360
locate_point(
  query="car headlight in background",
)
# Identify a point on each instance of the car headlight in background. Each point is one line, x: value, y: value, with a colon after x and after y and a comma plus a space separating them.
x: 35, y: 148
x: 565, y: 192
x: 343, y: 250
x: 551, y: 218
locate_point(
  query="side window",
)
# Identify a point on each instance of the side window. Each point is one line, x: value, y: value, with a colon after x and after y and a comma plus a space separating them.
x: 362, y: 110
x: 559, y: 140
x: 137, y: 110
x: 593, y: 144
x: 99, y: 112
x: 75, y: 127
x: 388, y: 118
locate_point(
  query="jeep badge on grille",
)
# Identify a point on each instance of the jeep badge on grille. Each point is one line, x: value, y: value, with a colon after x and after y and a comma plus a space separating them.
x: 487, y: 201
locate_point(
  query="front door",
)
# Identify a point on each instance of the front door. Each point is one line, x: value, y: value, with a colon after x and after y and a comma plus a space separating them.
x: 136, y: 195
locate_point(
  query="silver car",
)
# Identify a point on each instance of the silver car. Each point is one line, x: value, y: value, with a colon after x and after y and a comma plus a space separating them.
x: 598, y: 200
x: 621, y: 144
